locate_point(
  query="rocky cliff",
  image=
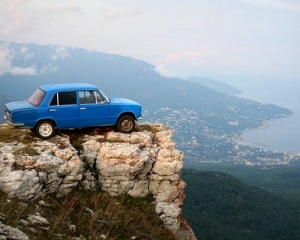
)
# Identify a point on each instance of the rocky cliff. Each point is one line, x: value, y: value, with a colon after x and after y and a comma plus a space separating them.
x: 145, y: 162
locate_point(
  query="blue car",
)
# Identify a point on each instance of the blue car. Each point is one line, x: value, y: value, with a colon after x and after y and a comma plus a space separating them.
x: 74, y: 105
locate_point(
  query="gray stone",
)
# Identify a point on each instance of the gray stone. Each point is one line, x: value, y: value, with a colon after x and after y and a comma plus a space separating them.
x: 8, y: 232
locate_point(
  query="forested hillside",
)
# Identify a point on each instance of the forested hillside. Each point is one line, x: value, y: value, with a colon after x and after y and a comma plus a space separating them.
x: 219, y: 206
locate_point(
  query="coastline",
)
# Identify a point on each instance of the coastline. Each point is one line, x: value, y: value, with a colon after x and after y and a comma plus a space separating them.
x: 279, y: 135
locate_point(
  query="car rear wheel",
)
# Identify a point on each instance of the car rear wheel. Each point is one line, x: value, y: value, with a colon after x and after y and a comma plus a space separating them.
x: 126, y: 124
x: 45, y: 130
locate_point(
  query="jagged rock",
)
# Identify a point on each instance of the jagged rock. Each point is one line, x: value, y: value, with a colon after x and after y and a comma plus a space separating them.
x: 138, y: 164
x: 89, y: 181
x: 8, y: 232
x: 37, y: 220
x: 56, y: 168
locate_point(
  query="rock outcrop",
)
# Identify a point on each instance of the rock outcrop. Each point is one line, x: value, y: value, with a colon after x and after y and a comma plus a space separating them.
x: 8, y: 232
x: 141, y: 163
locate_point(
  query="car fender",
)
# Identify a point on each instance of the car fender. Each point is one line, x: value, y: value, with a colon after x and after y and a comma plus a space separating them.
x: 46, y: 119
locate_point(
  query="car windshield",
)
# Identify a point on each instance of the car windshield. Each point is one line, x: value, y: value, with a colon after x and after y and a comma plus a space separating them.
x: 37, y: 97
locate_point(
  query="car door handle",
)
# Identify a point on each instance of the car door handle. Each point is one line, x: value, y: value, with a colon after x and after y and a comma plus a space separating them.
x: 82, y: 108
x: 52, y: 110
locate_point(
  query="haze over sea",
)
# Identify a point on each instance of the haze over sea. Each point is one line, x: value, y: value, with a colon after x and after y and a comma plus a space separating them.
x: 281, y: 134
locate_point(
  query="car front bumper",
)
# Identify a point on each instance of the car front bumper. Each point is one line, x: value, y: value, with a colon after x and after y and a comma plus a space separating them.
x: 13, y: 124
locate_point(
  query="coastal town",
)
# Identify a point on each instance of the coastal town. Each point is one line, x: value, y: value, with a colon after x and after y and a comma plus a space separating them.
x: 204, y: 141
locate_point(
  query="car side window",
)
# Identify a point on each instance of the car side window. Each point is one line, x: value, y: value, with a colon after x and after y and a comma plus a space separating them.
x: 90, y: 97
x: 64, y: 98
x: 54, y: 100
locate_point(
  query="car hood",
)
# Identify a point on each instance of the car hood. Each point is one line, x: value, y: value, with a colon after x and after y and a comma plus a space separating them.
x: 123, y: 100
x: 20, y: 105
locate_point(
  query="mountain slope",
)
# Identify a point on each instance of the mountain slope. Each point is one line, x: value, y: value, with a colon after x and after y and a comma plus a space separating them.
x: 219, y: 206
x: 32, y: 65
x: 196, y: 113
x: 216, y: 85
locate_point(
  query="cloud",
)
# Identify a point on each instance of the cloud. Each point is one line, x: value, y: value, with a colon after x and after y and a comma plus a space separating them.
x: 48, y: 69
x: 23, y: 71
x: 13, y: 9
x: 16, y: 15
x: 203, y: 37
x: 114, y: 12
x: 24, y: 17
x: 60, y: 53
x: 193, y: 54
x: 25, y: 54
x: 185, y: 59
x: 196, y: 56
x: 285, y: 5
x: 64, y: 9
x: 164, y: 71
x: 6, y: 63
x: 6, y: 56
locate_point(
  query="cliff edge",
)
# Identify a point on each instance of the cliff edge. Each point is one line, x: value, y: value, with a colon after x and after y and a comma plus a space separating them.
x: 145, y: 162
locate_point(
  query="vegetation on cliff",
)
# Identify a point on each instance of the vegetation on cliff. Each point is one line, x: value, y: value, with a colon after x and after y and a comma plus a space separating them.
x: 219, y: 206
x: 84, y: 214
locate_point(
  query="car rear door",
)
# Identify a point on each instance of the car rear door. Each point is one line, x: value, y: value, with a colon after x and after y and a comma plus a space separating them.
x: 93, y: 109
x: 64, y: 109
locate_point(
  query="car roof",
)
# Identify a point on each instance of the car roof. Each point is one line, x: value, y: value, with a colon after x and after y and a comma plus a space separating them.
x: 68, y: 87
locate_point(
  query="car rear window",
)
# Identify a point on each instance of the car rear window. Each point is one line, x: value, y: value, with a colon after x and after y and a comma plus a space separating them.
x: 37, y: 97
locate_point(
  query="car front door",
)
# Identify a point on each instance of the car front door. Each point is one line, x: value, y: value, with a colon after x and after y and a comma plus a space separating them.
x: 93, y: 109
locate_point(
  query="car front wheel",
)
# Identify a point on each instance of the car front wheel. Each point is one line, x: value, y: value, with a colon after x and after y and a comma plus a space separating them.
x: 45, y: 130
x: 126, y: 124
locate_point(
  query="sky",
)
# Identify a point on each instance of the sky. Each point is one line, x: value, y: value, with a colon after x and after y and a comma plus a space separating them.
x: 218, y: 39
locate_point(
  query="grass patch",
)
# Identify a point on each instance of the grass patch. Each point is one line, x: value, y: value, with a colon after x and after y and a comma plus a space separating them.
x: 92, y: 213
x: 11, y: 134
x: 27, y: 149
x: 147, y: 127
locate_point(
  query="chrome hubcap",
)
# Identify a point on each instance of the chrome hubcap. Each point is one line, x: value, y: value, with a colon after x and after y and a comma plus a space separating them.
x: 127, y: 125
x: 45, y: 130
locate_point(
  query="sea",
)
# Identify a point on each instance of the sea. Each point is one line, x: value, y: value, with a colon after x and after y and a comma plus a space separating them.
x: 283, y: 134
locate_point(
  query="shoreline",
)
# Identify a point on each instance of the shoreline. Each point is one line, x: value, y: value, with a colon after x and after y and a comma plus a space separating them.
x: 276, y: 135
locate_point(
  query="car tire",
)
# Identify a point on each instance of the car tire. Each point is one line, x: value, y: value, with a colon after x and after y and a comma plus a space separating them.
x: 45, y: 130
x: 126, y: 124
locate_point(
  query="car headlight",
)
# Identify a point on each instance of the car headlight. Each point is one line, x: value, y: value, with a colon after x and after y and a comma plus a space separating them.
x: 8, y: 115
